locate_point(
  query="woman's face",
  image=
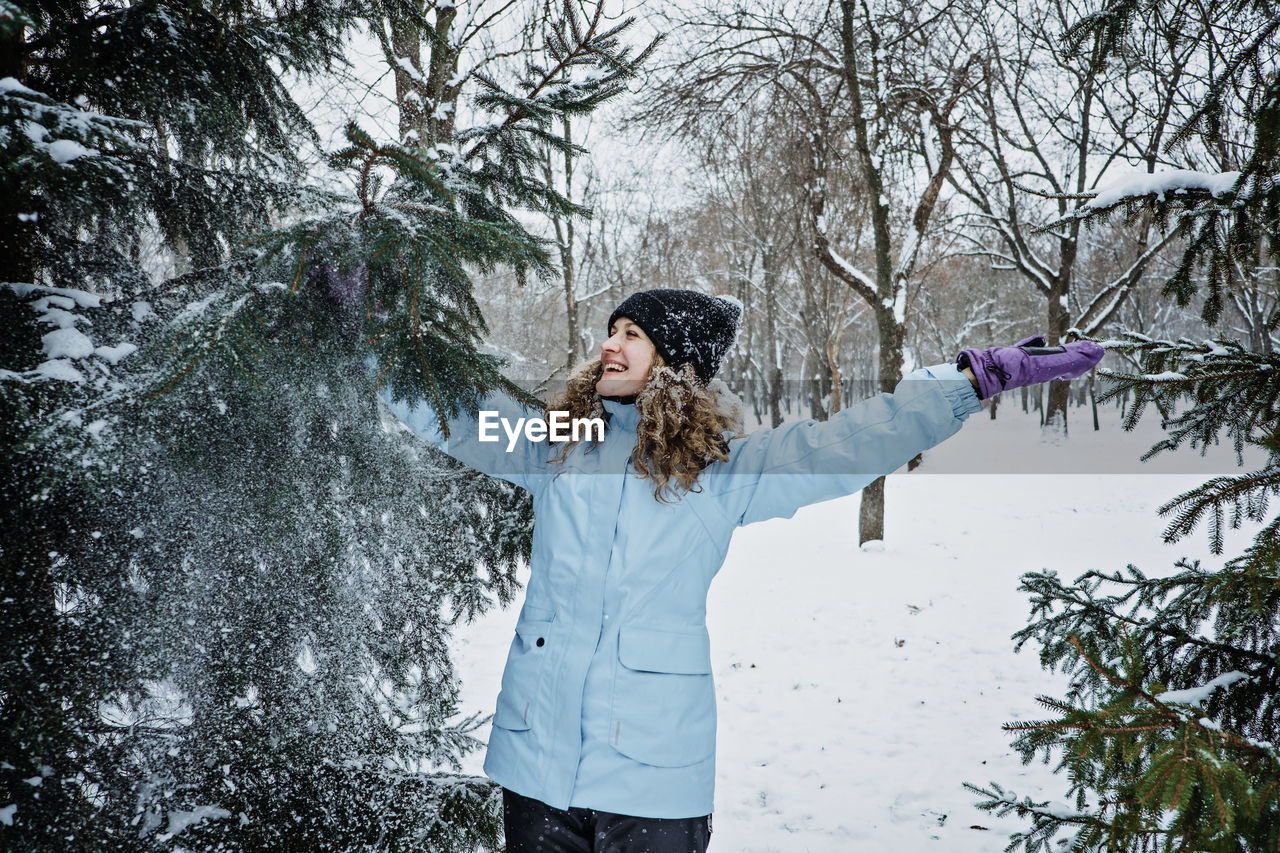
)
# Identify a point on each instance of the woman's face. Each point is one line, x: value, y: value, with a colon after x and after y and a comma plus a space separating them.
x: 626, y: 356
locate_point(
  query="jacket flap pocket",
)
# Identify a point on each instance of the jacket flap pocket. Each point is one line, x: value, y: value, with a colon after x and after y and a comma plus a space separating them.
x: 532, y: 613
x: 531, y: 630
x: 512, y: 712
x: 534, y: 623
x: 656, y: 650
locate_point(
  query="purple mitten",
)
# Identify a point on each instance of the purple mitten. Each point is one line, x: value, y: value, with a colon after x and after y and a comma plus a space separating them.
x: 1028, y: 362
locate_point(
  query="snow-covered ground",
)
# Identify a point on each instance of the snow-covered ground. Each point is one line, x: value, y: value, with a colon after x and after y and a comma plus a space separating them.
x: 859, y: 689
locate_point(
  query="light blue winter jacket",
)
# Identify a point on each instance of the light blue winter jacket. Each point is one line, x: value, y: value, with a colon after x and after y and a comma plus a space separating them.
x: 607, y: 699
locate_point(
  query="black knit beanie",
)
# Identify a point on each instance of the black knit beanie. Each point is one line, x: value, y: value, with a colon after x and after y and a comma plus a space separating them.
x: 686, y: 327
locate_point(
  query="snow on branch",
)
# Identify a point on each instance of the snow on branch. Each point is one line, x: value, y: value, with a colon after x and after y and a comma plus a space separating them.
x: 850, y: 270
x: 1160, y: 184
x: 1199, y: 695
x: 406, y: 65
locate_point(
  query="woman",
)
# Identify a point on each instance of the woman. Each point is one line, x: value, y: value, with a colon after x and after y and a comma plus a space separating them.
x: 604, y: 733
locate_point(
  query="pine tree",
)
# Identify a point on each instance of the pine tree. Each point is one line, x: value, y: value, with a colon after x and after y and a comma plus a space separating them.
x: 231, y: 577
x: 1169, y: 729
x: 113, y: 128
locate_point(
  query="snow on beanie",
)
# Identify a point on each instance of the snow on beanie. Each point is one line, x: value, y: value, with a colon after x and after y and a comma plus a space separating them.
x: 686, y: 327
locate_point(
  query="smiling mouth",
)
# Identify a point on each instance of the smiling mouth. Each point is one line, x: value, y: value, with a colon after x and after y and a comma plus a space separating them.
x: 614, y: 368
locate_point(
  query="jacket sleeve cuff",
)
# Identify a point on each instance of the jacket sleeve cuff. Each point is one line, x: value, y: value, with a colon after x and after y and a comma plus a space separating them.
x: 957, y: 388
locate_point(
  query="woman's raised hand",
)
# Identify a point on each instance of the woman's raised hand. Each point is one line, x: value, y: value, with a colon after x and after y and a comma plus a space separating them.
x: 1027, y: 362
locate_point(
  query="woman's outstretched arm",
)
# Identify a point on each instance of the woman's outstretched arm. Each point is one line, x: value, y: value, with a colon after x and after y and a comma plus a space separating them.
x: 491, y: 450
x: 772, y: 473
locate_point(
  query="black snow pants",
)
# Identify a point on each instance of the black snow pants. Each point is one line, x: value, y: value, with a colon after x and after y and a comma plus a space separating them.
x: 535, y: 827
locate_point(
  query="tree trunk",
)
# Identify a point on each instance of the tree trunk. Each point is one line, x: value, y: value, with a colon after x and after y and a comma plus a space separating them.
x: 871, y: 513
x: 817, y: 408
x: 570, y: 305
x: 426, y: 95
x: 411, y: 96
x: 775, y: 398
x: 1055, y: 415
x: 833, y: 364
x: 1093, y: 401
x: 773, y: 349
x: 564, y: 239
x: 442, y: 87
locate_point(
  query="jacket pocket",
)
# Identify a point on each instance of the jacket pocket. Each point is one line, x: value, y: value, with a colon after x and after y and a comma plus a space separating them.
x: 526, y: 663
x: 664, y: 701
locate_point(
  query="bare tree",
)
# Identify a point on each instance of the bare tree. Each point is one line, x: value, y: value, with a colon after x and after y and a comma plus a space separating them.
x: 751, y: 183
x: 905, y: 72
x: 424, y: 43
x: 881, y: 81
x: 1054, y: 129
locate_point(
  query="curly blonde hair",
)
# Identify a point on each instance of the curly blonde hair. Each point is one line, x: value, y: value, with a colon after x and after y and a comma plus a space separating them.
x: 682, y: 429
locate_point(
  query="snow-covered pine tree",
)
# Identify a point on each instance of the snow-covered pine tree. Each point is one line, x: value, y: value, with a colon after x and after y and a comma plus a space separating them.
x: 228, y: 578
x: 122, y: 125
x: 1170, y: 730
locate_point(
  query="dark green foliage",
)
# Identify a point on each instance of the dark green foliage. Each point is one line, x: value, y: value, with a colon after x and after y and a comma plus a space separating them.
x: 1168, y: 733
x: 353, y: 546
x: 1133, y: 750
x: 1151, y: 769
x: 229, y: 578
x: 1232, y: 392
x: 259, y: 598
x: 400, y: 265
x: 207, y: 134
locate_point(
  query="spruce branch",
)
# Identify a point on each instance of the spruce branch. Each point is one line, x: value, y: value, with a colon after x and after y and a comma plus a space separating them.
x: 1247, y: 494
x: 1173, y: 707
x: 1168, y: 758
x: 547, y: 93
x: 1233, y: 393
